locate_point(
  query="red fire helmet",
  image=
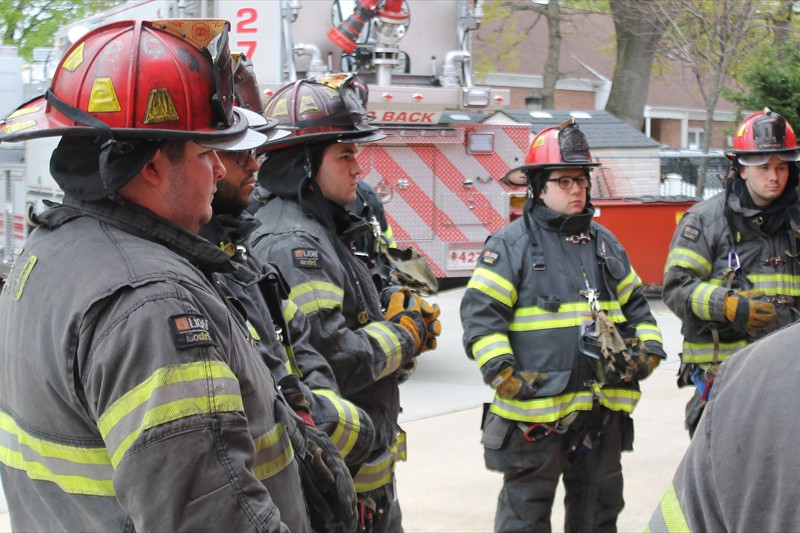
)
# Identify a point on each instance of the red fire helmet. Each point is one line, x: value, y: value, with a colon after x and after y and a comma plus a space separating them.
x: 562, y: 146
x: 134, y: 79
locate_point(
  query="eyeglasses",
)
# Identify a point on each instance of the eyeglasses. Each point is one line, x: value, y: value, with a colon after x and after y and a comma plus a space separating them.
x: 243, y: 157
x: 565, y: 182
x: 754, y: 160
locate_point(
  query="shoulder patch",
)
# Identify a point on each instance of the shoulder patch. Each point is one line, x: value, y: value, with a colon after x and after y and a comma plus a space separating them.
x: 690, y: 233
x: 306, y: 258
x: 489, y: 257
x: 191, y: 331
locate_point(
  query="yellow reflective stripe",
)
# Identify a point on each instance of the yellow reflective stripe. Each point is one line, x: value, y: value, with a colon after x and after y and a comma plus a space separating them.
x: 569, y: 314
x: 74, y: 469
x: 624, y: 400
x: 390, y: 345
x: 553, y: 408
x: 170, y: 393
x: 274, y: 452
x: 493, y: 285
x: 378, y: 472
x: 253, y: 332
x: 399, y: 447
x: 315, y: 295
x: 291, y: 361
x: 669, y: 517
x: 701, y: 299
x: 491, y: 346
x: 289, y: 310
x: 348, y: 427
x: 774, y: 284
x: 388, y: 236
x: 690, y: 260
x: 703, y: 352
x: 626, y: 287
x: 547, y: 409
x: 647, y: 331
x: 19, y: 281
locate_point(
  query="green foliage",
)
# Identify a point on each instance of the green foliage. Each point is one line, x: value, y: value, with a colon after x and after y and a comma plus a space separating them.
x: 771, y: 80
x: 501, y: 44
x: 33, y: 23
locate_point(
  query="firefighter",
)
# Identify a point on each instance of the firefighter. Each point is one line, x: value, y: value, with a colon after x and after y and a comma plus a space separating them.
x: 305, y: 229
x: 555, y: 317
x: 280, y: 327
x: 732, y: 274
x: 131, y: 396
x: 740, y: 471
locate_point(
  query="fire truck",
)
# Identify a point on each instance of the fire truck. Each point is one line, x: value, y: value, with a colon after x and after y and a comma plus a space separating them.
x: 437, y: 169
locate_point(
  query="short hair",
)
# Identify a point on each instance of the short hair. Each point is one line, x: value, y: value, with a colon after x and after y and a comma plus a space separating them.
x: 174, y: 151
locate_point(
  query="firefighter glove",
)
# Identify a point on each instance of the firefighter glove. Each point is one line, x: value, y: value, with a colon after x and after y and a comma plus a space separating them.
x: 328, y: 486
x: 416, y: 316
x: 744, y: 308
x: 653, y: 353
x: 513, y: 384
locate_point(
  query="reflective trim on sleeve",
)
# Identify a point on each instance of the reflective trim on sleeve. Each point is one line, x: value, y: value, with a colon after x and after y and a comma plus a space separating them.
x: 389, y: 343
x: 703, y: 352
x: 570, y: 314
x: 274, y: 452
x: 289, y: 310
x: 701, y: 300
x: 170, y: 393
x: 487, y: 348
x: 690, y: 260
x: 313, y: 296
x: 388, y: 237
x: 669, y: 517
x: 253, y: 331
x: 348, y: 427
x: 647, y: 331
x: 378, y: 472
x: 626, y: 287
x: 494, y: 286
x: 74, y: 469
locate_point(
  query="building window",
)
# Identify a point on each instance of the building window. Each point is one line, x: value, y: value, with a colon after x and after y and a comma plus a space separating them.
x: 697, y: 137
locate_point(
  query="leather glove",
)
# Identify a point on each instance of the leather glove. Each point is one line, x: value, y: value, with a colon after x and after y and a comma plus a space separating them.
x: 416, y: 316
x: 744, y: 309
x: 328, y: 486
x: 513, y: 384
x: 654, y: 353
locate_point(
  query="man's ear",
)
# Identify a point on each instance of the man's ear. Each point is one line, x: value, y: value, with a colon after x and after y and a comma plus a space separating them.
x: 155, y: 171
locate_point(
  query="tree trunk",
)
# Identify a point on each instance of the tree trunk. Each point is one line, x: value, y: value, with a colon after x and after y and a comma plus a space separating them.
x: 550, y: 77
x: 637, y: 40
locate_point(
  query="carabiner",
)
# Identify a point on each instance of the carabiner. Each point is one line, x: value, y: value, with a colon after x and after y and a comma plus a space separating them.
x: 731, y: 257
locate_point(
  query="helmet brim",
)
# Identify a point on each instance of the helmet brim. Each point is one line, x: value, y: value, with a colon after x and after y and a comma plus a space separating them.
x: 31, y: 121
x: 357, y: 137
x: 518, y: 176
x: 732, y: 154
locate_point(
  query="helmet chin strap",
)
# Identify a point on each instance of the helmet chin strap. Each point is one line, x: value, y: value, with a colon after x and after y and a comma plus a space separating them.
x: 104, y: 134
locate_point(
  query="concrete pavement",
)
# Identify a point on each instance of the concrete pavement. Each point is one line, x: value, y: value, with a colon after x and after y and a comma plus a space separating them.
x: 444, y: 485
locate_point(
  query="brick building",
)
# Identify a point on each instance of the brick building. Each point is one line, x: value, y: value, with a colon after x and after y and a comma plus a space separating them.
x: 674, y: 114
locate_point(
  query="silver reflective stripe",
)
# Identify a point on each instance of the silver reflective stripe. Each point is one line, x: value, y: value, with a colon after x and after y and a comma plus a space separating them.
x: 169, y: 394
x: 390, y: 345
x: 274, y: 452
x: 75, y: 469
